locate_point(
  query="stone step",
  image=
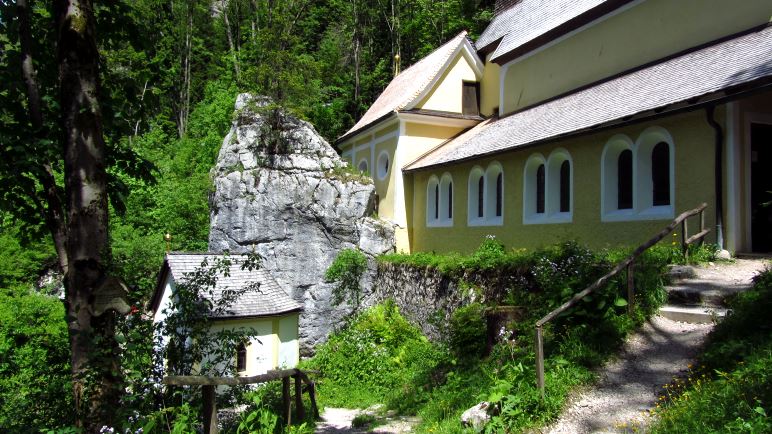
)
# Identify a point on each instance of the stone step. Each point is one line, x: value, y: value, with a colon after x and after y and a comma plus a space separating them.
x: 701, y: 292
x: 693, y: 314
x: 679, y: 272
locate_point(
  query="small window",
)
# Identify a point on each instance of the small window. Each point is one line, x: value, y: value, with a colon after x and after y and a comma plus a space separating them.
x: 660, y: 174
x: 436, y: 201
x: 470, y: 99
x: 540, y: 190
x: 383, y: 165
x: 362, y: 166
x: 565, y: 186
x: 241, y: 357
x: 625, y: 180
x: 450, y: 200
x: 499, y: 198
x: 480, y: 196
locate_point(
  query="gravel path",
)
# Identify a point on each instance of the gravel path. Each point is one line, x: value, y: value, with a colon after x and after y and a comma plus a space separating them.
x: 629, y: 386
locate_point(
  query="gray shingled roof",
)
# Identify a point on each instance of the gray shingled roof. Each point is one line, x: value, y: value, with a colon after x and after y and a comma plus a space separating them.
x: 406, y: 86
x: 264, y: 299
x: 695, y: 74
x: 528, y: 20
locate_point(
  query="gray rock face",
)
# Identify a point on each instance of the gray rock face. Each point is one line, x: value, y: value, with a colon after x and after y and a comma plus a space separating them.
x: 280, y: 190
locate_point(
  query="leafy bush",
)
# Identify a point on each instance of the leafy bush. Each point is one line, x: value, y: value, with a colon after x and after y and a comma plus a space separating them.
x: 468, y: 331
x: 345, y: 271
x: 35, y: 390
x: 376, y: 354
x: 731, y: 389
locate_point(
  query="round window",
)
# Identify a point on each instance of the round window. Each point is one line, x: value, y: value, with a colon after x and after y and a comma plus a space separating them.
x: 383, y: 165
x: 362, y: 166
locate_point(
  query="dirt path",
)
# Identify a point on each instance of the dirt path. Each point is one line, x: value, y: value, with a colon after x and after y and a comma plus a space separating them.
x: 338, y: 421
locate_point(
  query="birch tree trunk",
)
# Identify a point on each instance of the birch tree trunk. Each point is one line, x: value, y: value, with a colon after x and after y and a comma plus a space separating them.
x: 95, y: 366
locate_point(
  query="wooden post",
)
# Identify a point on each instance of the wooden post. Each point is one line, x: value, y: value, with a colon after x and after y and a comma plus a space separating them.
x: 630, y: 288
x: 702, y: 224
x: 539, y: 361
x: 301, y: 412
x: 312, y: 396
x: 286, y: 403
x: 684, y: 246
x: 210, y: 409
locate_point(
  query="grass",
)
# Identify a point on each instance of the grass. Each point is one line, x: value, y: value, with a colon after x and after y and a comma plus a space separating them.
x: 730, y: 390
x: 380, y: 358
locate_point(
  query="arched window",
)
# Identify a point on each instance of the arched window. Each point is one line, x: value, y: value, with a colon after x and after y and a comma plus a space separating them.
x: 625, y: 180
x: 476, y: 197
x: 432, y: 201
x: 481, y: 197
x: 362, y: 166
x: 637, y: 178
x: 499, y: 193
x: 436, y: 201
x: 540, y: 189
x: 450, y: 199
x: 565, y: 186
x: 446, y: 199
x: 660, y: 174
x: 241, y: 357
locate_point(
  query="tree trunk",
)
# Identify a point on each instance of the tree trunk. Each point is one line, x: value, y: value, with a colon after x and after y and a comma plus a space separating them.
x: 51, y: 210
x: 231, y: 45
x: 95, y: 368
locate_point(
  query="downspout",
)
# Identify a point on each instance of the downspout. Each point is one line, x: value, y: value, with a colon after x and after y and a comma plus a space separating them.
x: 719, y: 175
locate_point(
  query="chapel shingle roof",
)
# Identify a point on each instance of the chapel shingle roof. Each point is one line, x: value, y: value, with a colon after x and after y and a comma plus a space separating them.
x: 264, y: 296
x: 408, y: 85
x: 699, y: 73
x: 529, y: 19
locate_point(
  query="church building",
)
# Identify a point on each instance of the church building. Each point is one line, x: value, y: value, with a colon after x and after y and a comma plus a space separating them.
x: 593, y: 120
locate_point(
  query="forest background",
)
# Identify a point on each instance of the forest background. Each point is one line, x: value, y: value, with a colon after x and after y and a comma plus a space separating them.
x: 170, y: 71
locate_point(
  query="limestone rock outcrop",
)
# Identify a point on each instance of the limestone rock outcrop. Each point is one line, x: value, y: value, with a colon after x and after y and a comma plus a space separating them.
x: 282, y: 191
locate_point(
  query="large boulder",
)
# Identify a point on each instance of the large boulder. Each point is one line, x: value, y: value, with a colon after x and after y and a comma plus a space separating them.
x: 282, y: 191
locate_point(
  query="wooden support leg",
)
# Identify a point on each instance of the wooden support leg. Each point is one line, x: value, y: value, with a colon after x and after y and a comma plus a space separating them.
x: 312, y: 396
x: 630, y: 289
x: 540, y: 361
x: 301, y: 412
x: 286, y: 402
x: 210, y: 410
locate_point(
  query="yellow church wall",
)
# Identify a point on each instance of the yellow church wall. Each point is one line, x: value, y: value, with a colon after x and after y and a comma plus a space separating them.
x: 385, y: 187
x: 645, y: 32
x: 489, y: 89
x: 446, y: 94
x: 693, y: 181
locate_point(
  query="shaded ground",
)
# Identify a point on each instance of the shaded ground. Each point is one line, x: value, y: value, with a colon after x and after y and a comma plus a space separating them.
x: 338, y: 421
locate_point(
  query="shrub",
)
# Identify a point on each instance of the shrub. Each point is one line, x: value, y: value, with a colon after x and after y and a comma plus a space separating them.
x: 468, y: 331
x: 345, y: 271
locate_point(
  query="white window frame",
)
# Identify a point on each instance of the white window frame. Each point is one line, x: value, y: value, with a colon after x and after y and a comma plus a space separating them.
x: 489, y: 205
x: 472, y: 197
x: 530, y: 216
x: 552, y: 213
x: 642, y: 183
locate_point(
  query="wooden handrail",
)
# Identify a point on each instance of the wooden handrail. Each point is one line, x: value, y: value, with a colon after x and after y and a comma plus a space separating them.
x: 208, y: 384
x: 627, y: 263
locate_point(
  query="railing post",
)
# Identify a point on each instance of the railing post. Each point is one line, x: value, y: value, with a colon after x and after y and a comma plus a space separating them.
x: 312, y: 397
x: 684, y: 246
x: 630, y: 288
x: 540, y: 360
x: 702, y: 224
x: 300, y: 411
x: 285, y: 398
x: 210, y: 409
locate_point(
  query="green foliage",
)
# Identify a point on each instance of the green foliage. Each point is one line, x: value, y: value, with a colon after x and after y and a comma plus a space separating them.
x: 377, y: 354
x: 731, y: 389
x: 468, y: 331
x: 345, y: 271
x: 35, y: 389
